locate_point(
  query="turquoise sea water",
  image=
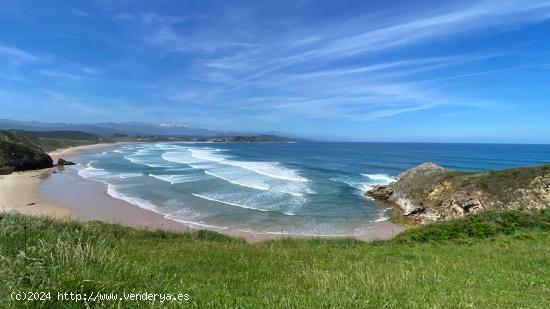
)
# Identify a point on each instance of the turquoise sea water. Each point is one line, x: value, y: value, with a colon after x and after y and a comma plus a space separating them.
x: 301, y: 188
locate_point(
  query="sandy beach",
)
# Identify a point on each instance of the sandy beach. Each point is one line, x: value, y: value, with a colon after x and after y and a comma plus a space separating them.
x: 20, y: 192
x: 69, y: 153
x: 62, y: 193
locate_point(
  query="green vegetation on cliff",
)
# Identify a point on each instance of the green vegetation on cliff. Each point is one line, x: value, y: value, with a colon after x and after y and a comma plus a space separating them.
x: 50, y: 140
x: 26, y: 150
x: 502, y: 270
x: 483, y: 225
x: 501, y: 185
x: 19, y: 152
x: 430, y: 193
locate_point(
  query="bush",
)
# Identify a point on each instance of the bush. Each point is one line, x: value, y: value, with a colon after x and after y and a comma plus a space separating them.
x: 484, y: 225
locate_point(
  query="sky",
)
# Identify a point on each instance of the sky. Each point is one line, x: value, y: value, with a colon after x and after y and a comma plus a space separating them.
x: 420, y: 71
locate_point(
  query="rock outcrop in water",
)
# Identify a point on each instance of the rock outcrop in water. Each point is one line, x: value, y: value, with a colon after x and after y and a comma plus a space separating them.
x: 429, y: 193
x: 63, y: 162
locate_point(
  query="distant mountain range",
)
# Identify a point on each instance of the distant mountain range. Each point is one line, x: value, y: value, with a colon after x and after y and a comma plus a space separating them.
x: 109, y: 128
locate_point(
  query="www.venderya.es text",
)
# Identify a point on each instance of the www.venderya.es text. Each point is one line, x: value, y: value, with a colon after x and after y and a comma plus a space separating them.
x: 100, y: 296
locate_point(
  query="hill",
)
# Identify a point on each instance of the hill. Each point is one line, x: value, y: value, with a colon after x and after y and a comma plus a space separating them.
x: 19, y: 152
x: 429, y: 193
x: 109, y: 128
x: 66, y: 135
x: 507, y: 268
x: 26, y: 150
x: 133, y: 131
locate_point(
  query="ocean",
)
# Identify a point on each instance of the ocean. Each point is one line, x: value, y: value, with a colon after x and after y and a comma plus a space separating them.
x: 307, y: 188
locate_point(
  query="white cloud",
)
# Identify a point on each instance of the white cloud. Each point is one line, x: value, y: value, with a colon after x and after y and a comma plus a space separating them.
x: 59, y: 74
x: 238, y: 65
x: 17, y: 54
x: 309, y: 68
x: 91, y: 70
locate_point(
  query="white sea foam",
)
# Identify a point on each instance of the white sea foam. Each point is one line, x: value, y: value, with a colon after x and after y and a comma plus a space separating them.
x: 218, y: 200
x: 269, y: 169
x: 112, y: 191
x: 183, y: 157
x: 252, y: 180
x: 379, y: 179
x: 262, y: 176
x: 178, y: 178
x: 382, y: 219
x: 129, y: 175
x: 92, y: 172
x: 206, y: 154
x: 138, y: 159
x: 245, y: 182
x: 98, y: 173
x: 362, y: 185
x: 226, y: 202
x: 202, y: 166
x: 194, y: 224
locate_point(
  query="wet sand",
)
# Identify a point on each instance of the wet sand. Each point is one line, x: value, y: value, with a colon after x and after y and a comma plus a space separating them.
x: 63, y: 193
x: 20, y: 192
x: 72, y: 152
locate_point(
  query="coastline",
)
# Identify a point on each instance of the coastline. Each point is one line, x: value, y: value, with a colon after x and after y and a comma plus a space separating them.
x: 62, y: 193
x: 19, y: 192
x: 71, y: 152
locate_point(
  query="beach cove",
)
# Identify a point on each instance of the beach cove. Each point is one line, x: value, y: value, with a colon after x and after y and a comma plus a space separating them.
x: 62, y: 193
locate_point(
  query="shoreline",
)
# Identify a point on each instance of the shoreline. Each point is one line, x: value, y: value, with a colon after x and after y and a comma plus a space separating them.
x: 62, y: 193
x: 71, y: 152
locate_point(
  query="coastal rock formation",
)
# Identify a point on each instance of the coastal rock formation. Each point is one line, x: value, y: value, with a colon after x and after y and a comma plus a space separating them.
x: 20, y: 154
x: 63, y: 162
x: 429, y: 193
x: 381, y: 192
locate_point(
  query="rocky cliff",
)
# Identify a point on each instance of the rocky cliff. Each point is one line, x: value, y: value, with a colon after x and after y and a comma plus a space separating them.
x: 20, y: 153
x: 429, y: 193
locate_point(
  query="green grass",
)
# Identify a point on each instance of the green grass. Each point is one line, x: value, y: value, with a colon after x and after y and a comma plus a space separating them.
x: 58, y: 143
x: 507, y: 268
x: 483, y: 225
x: 47, y: 141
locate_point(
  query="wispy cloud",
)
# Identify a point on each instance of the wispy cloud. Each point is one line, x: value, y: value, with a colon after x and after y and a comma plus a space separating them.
x: 91, y: 70
x: 82, y: 13
x: 80, y: 104
x: 17, y: 54
x: 239, y: 62
x: 59, y: 74
x: 309, y: 64
x: 490, y: 72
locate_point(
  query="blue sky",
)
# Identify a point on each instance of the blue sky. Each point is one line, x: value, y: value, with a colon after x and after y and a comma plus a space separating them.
x: 446, y: 71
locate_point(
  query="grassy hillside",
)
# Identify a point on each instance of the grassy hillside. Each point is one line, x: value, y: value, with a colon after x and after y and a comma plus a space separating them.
x: 507, y: 268
x: 68, y: 135
x: 52, y: 140
x: 19, y: 152
x: 26, y: 150
x: 429, y: 193
x: 502, y: 185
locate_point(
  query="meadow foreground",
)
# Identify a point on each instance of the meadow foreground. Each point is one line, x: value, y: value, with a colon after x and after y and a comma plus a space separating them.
x: 492, y: 260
